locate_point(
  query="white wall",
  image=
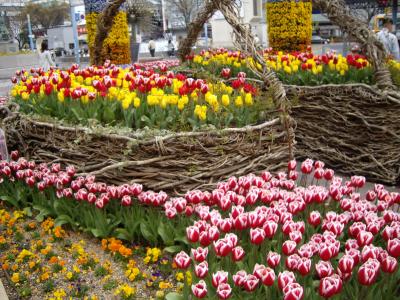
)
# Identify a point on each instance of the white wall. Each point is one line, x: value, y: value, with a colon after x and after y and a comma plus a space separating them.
x: 222, y: 32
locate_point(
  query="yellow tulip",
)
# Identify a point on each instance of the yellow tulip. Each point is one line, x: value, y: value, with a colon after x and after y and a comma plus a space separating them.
x: 225, y: 100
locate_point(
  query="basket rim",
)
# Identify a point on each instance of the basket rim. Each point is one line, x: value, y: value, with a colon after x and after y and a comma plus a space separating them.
x: 140, y: 136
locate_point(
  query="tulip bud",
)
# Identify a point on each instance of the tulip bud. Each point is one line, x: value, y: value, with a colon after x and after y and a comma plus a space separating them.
x: 330, y: 286
x: 224, y: 291
x: 219, y: 277
x: 201, y: 270
x: 199, y: 290
x: 182, y: 260
x: 324, y: 269
x: 273, y: 259
x: 251, y: 283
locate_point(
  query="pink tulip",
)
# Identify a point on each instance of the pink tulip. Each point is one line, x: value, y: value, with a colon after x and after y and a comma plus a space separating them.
x: 239, y: 278
x: 293, y: 291
x: 250, y: 283
x: 289, y: 247
x: 201, y: 270
x: 200, y: 254
x: 199, y: 289
x: 273, y: 259
x: 393, y: 247
x: 219, y: 277
x: 389, y: 264
x: 257, y: 235
x: 224, y: 291
x: 285, y: 278
x: 330, y: 286
x: 346, y: 264
x: 324, y: 269
x: 270, y: 228
x: 237, y: 254
x: 222, y: 248
x: 304, y: 266
x: 368, y: 272
x: 192, y: 234
x: 182, y: 260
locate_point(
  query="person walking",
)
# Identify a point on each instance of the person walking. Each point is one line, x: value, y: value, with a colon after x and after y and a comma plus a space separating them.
x: 171, y: 48
x: 45, y: 59
x: 389, y: 40
x: 152, y: 48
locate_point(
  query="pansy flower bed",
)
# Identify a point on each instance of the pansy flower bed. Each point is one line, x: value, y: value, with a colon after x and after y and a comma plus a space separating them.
x: 300, y: 234
x: 45, y: 261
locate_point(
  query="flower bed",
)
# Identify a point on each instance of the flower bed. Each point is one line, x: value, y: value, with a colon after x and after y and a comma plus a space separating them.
x: 350, y: 125
x: 299, y: 68
x: 253, y: 236
x: 193, y: 132
x: 45, y: 261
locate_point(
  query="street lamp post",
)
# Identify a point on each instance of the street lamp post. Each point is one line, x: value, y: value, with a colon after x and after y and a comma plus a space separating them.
x: 73, y: 4
x: 30, y: 33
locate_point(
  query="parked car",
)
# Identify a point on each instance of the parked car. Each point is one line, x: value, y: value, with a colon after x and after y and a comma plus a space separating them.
x: 316, y: 39
x: 60, y: 51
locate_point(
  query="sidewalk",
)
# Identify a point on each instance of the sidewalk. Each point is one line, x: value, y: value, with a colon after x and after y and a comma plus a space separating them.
x: 3, y: 295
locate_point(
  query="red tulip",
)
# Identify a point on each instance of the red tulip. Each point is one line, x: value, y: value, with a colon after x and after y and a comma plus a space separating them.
x: 204, y: 238
x: 251, y: 283
x: 200, y: 254
x: 285, y: 278
x: 199, y: 290
x: 237, y: 254
x: 328, y: 174
x: 273, y: 259
x: 318, y: 173
x: 368, y: 272
x: 293, y: 291
x: 289, y: 247
x: 192, y: 234
x: 292, y: 165
x: 257, y: 235
x: 201, y: 270
x: 222, y: 248
x: 389, y: 264
x: 346, y: 264
x: 270, y: 228
x: 393, y: 247
x: 295, y: 236
x: 182, y: 260
x: 226, y: 73
x: 306, y: 167
x: 315, y: 218
x: 224, y: 291
x: 239, y: 278
x: 304, y: 266
x: 265, y: 274
x: 292, y: 262
x: 330, y: 286
x: 126, y: 200
x: 219, y: 277
x: 324, y: 269
x: 364, y: 238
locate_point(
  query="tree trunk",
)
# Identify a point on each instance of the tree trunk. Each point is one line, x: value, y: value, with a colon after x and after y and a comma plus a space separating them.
x: 104, y: 24
x: 195, y: 27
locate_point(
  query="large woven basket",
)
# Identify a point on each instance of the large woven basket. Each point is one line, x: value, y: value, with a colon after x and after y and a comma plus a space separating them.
x: 172, y: 161
x: 353, y: 128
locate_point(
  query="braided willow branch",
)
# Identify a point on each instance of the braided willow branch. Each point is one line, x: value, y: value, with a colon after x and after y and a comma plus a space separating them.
x: 244, y: 40
x: 195, y: 27
x: 104, y: 24
x: 340, y: 14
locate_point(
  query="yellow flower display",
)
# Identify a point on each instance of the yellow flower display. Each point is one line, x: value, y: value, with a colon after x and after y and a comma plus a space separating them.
x: 289, y: 24
x: 116, y: 46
